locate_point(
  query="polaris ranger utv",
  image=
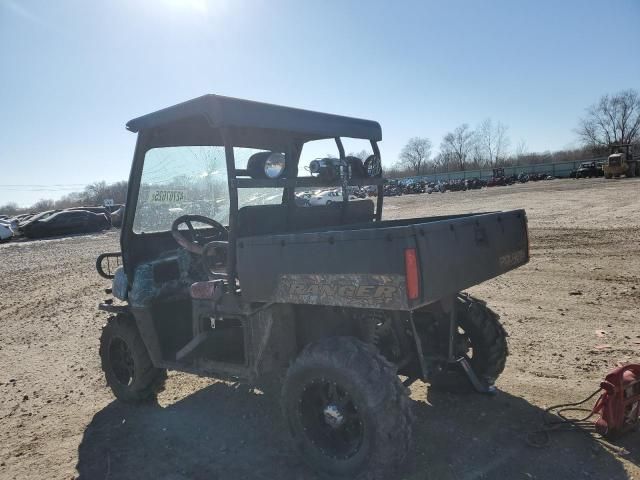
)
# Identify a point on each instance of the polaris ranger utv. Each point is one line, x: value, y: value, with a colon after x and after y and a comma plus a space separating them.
x: 223, y: 274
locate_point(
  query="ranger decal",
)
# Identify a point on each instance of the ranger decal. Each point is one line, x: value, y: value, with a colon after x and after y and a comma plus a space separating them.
x: 357, y: 290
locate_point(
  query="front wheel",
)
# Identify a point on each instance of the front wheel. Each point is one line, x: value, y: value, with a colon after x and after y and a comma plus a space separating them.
x: 347, y: 411
x: 126, y: 363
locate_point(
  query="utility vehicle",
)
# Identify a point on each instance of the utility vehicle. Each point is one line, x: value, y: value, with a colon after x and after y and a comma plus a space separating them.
x: 223, y: 274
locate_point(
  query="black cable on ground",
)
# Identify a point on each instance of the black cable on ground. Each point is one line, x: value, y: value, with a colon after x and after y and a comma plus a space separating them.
x: 563, y: 424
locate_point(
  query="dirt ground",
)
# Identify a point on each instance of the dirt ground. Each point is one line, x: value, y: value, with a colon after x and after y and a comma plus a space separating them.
x: 580, y: 292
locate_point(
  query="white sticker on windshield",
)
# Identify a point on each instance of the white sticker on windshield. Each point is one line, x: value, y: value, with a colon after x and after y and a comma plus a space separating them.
x: 167, y: 196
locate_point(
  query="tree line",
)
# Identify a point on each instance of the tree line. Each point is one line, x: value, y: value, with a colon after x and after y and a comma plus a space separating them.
x: 614, y: 119
x: 93, y: 194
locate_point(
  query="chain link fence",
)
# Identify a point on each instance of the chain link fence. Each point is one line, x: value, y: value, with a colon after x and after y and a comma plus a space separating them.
x: 560, y: 169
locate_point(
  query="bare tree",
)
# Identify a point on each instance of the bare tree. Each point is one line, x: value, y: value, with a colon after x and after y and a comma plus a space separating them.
x: 10, y: 208
x: 521, y: 148
x: 73, y: 199
x: 415, y: 154
x: 613, y: 119
x: 477, y: 152
x: 457, y: 145
x: 362, y: 154
x: 444, y: 161
x: 96, y: 193
x: 493, y: 141
x: 43, y: 205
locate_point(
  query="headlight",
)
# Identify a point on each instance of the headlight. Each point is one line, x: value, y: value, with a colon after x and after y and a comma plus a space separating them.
x: 266, y: 165
x: 274, y: 165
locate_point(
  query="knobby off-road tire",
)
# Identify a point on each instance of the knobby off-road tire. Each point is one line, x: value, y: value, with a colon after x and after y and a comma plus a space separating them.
x: 488, y: 341
x: 344, y: 372
x: 126, y: 363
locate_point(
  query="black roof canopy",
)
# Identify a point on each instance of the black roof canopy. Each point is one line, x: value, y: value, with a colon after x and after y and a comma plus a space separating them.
x: 230, y: 112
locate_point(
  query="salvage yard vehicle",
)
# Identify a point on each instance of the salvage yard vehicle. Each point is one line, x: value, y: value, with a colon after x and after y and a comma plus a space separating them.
x: 328, y: 197
x: 65, y: 222
x: 224, y: 275
x: 414, y: 186
x: 6, y: 233
x: 621, y: 161
x: 116, y: 216
x: 10, y: 222
x: 392, y: 189
x: 589, y: 169
x: 34, y: 218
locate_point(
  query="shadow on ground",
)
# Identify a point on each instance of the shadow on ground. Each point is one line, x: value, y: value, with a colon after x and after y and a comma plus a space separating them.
x: 231, y: 432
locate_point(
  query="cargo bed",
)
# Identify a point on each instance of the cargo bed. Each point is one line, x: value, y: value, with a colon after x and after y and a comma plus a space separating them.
x: 392, y: 265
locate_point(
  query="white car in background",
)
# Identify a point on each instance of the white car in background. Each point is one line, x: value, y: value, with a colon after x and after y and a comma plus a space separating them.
x: 12, y: 223
x: 327, y: 197
x: 5, y: 233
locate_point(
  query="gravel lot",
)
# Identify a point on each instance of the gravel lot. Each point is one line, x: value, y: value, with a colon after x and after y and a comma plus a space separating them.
x: 580, y: 291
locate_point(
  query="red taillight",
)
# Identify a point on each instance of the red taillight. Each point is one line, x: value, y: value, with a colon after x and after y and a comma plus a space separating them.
x: 411, y: 270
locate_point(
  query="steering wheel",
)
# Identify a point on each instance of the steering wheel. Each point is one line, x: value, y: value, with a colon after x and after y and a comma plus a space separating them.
x: 198, y: 241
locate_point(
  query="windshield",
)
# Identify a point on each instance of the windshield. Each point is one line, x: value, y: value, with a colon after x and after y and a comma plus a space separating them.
x: 191, y: 180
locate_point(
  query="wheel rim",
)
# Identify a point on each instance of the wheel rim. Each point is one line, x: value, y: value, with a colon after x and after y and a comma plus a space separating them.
x: 121, y: 361
x: 330, y: 419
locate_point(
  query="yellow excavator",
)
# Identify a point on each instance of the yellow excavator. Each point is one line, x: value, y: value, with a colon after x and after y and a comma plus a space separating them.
x: 621, y: 162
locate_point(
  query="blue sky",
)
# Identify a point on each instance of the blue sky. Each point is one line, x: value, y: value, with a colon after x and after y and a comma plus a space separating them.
x: 72, y: 72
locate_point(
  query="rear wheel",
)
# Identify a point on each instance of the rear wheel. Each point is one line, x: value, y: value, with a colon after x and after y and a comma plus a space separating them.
x: 347, y: 411
x: 482, y: 340
x: 126, y: 363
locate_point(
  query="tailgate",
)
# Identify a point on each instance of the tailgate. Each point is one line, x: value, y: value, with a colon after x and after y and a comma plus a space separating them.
x: 461, y: 253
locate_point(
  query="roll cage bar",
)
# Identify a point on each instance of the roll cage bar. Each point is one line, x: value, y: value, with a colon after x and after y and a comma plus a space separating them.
x: 224, y: 125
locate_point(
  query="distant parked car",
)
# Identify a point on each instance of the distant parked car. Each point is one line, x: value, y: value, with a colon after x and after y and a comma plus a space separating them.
x: 33, y: 218
x: 12, y: 223
x: 117, y: 216
x: 105, y: 210
x: 5, y: 233
x: 327, y: 197
x: 475, y: 183
x: 358, y: 192
x: 589, y: 169
x: 455, y: 185
x: 392, y: 190
x: 67, y: 222
x: 414, y: 186
x: 23, y: 216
